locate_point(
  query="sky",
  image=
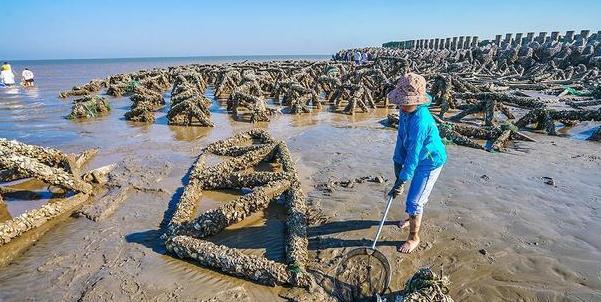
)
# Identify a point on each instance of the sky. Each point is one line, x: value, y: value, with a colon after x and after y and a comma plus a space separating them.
x: 63, y: 29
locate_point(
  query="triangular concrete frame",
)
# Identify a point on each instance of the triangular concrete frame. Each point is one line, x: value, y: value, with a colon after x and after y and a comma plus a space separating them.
x: 184, y: 236
x: 52, y: 167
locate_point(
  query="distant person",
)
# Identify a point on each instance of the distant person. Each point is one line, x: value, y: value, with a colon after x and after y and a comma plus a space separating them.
x: 357, y: 57
x: 419, y: 153
x: 7, y: 77
x: 348, y: 56
x: 5, y: 66
x: 27, y: 76
x: 364, y: 58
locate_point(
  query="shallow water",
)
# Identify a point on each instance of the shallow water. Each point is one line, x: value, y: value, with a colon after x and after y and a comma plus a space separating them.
x: 540, y: 240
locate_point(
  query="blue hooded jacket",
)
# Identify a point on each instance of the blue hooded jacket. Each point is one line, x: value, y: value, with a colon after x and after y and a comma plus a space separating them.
x: 418, y: 143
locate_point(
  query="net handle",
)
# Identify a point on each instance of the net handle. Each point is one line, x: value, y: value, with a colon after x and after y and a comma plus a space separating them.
x: 388, y: 204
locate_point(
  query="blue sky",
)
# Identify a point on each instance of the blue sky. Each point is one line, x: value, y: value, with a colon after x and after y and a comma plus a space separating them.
x: 47, y: 29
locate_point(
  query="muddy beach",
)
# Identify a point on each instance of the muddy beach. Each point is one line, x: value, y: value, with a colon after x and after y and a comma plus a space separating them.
x: 512, y: 225
x: 539, y: 240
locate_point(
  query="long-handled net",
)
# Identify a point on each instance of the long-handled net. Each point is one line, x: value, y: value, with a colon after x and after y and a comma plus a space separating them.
x: 365, y: 271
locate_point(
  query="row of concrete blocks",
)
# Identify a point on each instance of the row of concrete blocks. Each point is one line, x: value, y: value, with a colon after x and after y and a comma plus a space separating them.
x: 569, y: 37
x: 441, y: 43
x: 464, y: 42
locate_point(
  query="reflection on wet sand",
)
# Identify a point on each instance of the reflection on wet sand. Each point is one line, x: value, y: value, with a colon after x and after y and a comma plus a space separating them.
x: 182, y: 133
x: 32, y: 92
x: 359, y: 117
x: 261, y: 234
x: 23, y: 195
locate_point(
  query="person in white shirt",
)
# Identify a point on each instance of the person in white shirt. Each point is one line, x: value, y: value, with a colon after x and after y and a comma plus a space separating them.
x: 27, y: 76
x: 357, y: 57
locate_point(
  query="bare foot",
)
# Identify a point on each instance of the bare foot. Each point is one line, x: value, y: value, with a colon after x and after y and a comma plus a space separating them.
x: 404, y: 223
x: 409, y: 246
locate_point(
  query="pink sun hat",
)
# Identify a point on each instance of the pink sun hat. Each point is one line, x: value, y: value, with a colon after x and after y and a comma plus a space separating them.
x: 409, y: 90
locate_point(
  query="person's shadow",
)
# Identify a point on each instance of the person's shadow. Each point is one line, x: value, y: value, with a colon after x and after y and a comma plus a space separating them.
x: 316, y: 241
x: 152, y: 238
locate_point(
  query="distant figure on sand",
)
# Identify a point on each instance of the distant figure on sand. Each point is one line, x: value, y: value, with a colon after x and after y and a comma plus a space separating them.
x: 348, y: 56
x: 27, y: 76
x: 357, y: 57
x: 419, y: 153
x: 364, y: 58
x: 7, y: 77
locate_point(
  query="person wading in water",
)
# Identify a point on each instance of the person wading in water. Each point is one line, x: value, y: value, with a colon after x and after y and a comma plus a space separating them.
x: 419, y: 153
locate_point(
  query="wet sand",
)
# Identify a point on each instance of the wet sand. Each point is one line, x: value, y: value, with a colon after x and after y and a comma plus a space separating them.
x: 500, y: 232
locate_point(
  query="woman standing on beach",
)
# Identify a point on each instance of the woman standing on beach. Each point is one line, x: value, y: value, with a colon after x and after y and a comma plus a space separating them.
x: 419, y: 153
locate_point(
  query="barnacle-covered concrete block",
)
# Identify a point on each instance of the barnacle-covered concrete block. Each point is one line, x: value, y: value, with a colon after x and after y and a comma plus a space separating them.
x: 184, y: 236
x: 233, y: 261
x: 34, y: 218
x: 189, y: 106
x: 18, y: 160
x: 89, y: 107
x: 90, y: 88
x: 145, y: 102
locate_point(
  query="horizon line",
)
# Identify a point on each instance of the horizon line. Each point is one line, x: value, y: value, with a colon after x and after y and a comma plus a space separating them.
x: 164, y: 57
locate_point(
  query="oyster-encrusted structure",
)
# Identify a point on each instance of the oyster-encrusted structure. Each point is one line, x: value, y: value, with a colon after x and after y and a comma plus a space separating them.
x: 545, y: 119
x: 479, y: 91
x: 467, y: 135
x: 18, y: 160
x: 426, y: 286
x: 17, y: 226
x: 145, y: 101
x: 189, y: 106
x: 185, y: 234
x: 51, y: 166
x: 87, y: 89
x: 89, y: 106
x: 248, y: 97
x: 486, y: 85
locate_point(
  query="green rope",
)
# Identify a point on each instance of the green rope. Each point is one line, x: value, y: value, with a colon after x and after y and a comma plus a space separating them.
x: 572, y: 91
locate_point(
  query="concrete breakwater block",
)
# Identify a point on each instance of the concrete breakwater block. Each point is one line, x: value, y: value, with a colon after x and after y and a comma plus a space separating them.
x: 185, y: 234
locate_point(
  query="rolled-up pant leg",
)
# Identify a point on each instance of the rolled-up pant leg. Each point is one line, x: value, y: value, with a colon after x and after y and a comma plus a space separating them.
x: 421, y: 186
